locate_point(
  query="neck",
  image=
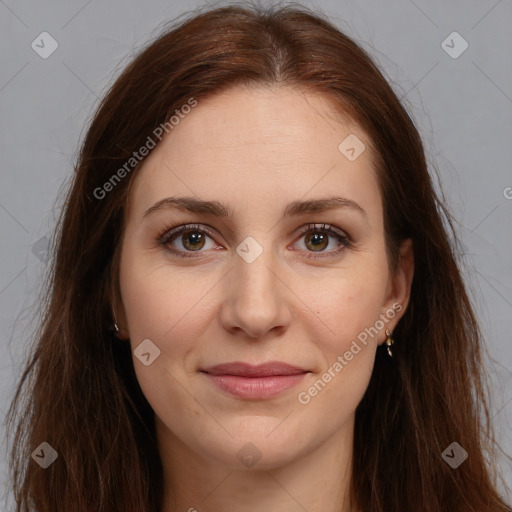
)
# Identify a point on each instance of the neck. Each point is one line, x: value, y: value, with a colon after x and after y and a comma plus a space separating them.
x: 316, y: 480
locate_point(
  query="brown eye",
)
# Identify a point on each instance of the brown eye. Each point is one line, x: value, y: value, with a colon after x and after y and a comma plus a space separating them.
x: 317, y: 237
x: 317, y: 241
x: 187, y: 240
x: 193, y: 240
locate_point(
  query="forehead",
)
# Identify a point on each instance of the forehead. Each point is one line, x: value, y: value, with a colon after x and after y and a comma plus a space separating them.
x: 272, y: 145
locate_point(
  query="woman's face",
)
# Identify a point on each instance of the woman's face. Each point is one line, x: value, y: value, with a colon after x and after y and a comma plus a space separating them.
x: 257, y: 285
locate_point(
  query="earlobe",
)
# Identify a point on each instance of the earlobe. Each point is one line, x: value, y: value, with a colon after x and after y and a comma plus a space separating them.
x: 406, y: 270
x: 401, y: 282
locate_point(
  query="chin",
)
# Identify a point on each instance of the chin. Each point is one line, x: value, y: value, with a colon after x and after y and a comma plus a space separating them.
x: 255, y: 448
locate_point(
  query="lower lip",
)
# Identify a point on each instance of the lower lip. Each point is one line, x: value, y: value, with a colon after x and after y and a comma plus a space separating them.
x: 255, y: 388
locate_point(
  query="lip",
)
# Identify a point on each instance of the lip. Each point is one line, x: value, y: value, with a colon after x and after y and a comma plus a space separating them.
x: 244, y: 380
x: 241, y: 369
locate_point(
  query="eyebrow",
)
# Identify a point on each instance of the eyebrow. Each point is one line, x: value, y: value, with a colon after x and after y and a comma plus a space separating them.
x: 295, y: 208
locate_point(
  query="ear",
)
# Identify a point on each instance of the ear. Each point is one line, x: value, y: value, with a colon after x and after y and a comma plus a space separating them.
x: 399, y: 285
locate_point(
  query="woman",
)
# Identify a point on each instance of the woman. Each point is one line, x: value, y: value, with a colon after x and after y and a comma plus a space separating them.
x: 255, y: 302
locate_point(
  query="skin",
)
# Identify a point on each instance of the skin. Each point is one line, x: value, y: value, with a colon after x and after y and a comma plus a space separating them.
x: 256, y: 150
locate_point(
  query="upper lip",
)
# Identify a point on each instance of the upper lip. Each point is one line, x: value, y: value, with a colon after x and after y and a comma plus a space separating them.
x: 241, y: 369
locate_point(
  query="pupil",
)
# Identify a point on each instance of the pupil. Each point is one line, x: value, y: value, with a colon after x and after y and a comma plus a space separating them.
x: 195, y: 239
x: 317, y: 239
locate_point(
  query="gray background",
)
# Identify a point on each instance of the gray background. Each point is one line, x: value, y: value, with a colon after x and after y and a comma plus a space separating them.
x: 462, y: 107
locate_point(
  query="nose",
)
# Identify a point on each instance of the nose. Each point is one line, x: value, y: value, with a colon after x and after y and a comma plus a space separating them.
x: 256, y: 297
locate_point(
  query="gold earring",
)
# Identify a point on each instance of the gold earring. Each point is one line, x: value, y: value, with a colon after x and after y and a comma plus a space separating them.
x: 116, y: 328
x: 389, y: 342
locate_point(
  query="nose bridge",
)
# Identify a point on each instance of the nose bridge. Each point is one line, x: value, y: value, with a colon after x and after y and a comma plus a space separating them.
x: 255, y: 299
x: 253, y: 268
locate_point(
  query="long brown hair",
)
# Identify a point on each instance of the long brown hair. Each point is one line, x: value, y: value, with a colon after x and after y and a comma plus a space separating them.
x: 79, y: 392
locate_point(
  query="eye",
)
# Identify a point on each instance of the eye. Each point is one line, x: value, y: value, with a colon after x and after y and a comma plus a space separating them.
x: 316, y: 239
x: 192, y: 240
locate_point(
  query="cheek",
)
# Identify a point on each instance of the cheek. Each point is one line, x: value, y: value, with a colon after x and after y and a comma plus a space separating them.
x: 351, y: 311
x: 162, y: 304
x: 349, y: 305
x: 164, y: 307
x: 331, y: 398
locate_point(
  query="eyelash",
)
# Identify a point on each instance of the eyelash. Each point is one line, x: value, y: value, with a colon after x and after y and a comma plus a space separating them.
x: 171, y: 232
